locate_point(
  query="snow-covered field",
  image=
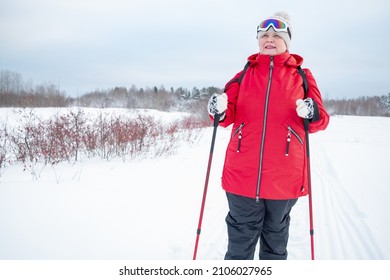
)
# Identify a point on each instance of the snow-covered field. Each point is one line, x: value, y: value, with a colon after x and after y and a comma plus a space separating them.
x: 149, y: 209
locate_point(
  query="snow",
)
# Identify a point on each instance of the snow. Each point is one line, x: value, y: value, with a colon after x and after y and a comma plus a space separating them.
x: 148, y: 209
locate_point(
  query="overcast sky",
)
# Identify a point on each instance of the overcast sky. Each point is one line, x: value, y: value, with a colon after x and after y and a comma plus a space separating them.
x: 83, y: 45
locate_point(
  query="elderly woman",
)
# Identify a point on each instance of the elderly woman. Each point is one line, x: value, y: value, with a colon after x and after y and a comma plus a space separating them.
x: 265, y: 166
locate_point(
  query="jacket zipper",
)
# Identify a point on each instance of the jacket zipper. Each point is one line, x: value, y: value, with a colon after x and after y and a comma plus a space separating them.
x: 288, y: 142
x: 239, y: 131
x: 291, y: 130
x: 264, y: 130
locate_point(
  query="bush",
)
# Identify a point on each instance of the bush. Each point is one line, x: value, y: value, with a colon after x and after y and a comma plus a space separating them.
x: 73, y: 135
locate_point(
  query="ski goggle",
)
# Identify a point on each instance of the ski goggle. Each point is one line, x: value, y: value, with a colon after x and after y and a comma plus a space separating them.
x: 278, y: 25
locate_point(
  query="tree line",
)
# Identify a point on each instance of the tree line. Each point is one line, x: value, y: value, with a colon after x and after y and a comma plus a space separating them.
x: 15, y: 92
x: 361, y: 106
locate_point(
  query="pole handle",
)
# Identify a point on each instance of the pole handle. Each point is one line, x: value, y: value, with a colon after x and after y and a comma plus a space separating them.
x: 217, y: 117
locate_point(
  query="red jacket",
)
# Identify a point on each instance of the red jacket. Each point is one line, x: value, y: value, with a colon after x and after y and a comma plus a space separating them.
x: 266, y: 155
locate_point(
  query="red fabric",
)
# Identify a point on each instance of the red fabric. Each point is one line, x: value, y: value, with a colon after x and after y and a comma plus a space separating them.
x: 282, y: 177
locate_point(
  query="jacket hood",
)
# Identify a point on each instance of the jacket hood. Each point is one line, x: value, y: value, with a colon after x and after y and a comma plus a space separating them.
x: 285, y: 58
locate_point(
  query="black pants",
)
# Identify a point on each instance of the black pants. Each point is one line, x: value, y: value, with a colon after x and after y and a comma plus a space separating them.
x: 248, y: 220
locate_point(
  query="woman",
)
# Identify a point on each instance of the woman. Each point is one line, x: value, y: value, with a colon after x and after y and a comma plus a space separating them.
x: 265, y: 168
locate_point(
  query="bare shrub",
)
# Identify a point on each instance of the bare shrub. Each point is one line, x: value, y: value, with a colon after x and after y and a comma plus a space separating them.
x: 3, y: 146
x: 73, y: 134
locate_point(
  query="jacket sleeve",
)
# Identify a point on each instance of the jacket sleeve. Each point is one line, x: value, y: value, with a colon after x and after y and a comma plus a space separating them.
x: 231, y: 89
x: 314, y: 93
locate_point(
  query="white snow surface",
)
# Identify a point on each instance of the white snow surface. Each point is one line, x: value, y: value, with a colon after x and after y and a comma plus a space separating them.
x: 148, y: 209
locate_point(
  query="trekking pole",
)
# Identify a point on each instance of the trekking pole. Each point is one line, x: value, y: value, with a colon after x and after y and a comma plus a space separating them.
x: 216, y: 121
x: 306, y: 125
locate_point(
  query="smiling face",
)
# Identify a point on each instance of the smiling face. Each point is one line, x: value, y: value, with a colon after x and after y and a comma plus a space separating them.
x: 271, y: 43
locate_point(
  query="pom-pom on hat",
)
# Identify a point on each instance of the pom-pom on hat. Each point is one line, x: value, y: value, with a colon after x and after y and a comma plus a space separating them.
x: 283, y: 28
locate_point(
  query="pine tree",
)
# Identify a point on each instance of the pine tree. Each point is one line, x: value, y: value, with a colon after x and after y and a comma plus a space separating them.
x: 385, y: 102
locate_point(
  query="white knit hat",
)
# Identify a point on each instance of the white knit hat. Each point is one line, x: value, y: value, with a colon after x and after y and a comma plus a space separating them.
x: 286, y: 36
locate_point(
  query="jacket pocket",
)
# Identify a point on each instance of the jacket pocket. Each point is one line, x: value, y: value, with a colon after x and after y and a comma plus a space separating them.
x: 291, y: 133
x: 238, y: 133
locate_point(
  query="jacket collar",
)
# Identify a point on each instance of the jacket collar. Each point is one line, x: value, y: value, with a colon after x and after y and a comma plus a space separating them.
x: 279, y: 60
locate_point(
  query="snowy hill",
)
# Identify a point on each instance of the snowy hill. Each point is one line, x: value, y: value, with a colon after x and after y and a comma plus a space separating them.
x: 149, y: 209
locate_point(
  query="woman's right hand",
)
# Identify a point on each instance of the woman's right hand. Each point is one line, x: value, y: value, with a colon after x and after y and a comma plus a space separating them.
x: 217, y: 104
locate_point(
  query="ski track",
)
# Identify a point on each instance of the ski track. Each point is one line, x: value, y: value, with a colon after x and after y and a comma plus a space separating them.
x: 337, y: 215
